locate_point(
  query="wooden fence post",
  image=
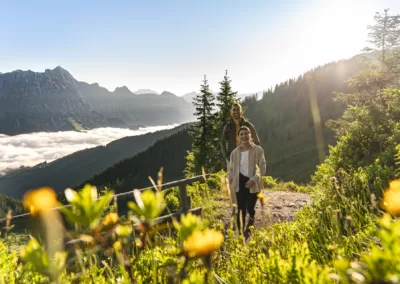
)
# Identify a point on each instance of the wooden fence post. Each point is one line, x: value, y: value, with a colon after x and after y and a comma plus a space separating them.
x: 183, y: 199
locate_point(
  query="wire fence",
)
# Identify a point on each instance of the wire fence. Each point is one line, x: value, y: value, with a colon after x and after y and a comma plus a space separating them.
x: 181, y: 183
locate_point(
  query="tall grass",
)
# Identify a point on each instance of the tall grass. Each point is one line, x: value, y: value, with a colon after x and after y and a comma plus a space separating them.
x: 338, y: 231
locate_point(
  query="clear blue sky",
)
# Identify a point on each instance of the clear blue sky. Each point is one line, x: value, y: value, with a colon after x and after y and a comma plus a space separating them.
x: 171, y: 44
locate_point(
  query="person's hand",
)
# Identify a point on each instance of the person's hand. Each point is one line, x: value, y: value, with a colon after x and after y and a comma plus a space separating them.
x: 249, y: 183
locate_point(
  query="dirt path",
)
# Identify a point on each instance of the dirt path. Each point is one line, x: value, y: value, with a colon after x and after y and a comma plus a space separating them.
x: 280, y: 207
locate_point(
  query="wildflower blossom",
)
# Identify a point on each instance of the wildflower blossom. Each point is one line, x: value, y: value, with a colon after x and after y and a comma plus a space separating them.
x: 40, y: 200
x: 203, y: 243
x: 110, y: 219
x: 138, y: 242
x: 262, y: 198
x: 391, y: 198
x: 117, y: 245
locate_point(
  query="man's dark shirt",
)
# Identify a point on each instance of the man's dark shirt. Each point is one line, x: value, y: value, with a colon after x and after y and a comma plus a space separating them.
x: 228, y: 139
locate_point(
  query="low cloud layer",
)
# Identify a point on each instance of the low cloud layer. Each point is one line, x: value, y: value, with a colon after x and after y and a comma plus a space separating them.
x: 34, y: 148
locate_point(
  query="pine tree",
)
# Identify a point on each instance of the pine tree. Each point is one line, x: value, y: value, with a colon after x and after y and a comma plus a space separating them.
x: 225, y: 98
x: 385, y: 34
x: 204, y: 130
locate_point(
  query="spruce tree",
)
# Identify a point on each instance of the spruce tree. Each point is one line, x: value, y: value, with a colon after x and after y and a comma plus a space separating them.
x: 203, y: 131
x: 225, y: 98
x: 385, y: 34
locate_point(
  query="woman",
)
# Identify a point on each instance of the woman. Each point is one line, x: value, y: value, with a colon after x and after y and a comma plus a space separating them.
x: 243, y: 176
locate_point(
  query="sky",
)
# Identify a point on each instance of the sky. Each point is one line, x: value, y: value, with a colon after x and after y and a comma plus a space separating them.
x: 34, y: 148
x: 169, y: 45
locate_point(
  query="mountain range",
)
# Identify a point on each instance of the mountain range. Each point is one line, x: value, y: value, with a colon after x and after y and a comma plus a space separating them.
x: 55, y: 101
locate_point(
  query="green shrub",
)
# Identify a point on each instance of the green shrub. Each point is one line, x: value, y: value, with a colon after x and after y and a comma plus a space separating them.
x: 173, y: 204
x: 269, y: 182
x: 289, y: 186
x: 214, y: 181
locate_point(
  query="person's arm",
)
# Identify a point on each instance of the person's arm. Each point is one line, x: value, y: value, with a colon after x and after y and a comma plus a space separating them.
x: 254, y: 135
x: 230, y: 170
x: 232, y: 191
x: 223, y: 145
x: 262, y: 165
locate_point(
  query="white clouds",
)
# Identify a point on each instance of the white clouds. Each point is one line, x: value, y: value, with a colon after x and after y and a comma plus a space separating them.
x: 31, y: 149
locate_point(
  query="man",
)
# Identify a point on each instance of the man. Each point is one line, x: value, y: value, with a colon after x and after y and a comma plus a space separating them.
x: 230, y: 139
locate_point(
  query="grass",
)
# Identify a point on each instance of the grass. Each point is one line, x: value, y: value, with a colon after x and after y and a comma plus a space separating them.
x: 318, y: 247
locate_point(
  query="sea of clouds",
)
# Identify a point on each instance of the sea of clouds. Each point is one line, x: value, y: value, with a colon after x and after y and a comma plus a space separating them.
x: 34, y: 148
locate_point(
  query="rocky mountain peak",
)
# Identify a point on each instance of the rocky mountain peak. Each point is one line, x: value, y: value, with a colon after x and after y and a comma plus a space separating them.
x: 123, y: 90
x: 165, y: 93
x: 145, y: 91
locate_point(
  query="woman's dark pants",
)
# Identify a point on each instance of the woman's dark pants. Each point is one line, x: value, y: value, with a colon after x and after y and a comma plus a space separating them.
x: 246, y: 202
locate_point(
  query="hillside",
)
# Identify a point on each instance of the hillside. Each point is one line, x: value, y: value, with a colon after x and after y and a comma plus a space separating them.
x: 284, y: 120
x: 79, y: 166
x: 133, y: 172
x: 9, y: 203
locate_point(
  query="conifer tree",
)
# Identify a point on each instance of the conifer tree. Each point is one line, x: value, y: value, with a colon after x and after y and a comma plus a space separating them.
x: 385, y: 36
x: 203, y: 149
x: 225, y: 98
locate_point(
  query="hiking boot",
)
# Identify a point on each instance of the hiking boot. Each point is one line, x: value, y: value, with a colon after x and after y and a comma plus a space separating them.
x: 247, y: 231
x: 247, y: 234
x: 250, y: 223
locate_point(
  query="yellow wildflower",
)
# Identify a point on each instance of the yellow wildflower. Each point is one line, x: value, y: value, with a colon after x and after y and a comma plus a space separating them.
x: 40, y: 200
x: 262, y: 198
x: 86, y: 238
x: 203, y: 243
x: 117, y: 245
x: 377, y: 160
x: 138, y: 242
x: 391, y: 198
x: 110, y: 219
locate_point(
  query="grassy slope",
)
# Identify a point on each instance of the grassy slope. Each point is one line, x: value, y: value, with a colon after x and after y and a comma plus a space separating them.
x: 285, y: 124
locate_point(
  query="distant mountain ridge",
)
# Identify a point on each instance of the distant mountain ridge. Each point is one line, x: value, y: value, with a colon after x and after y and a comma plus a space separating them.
x: 145, y: 91
x: 48, y: 101
x: 190, y: 96
x: 55, y: 101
